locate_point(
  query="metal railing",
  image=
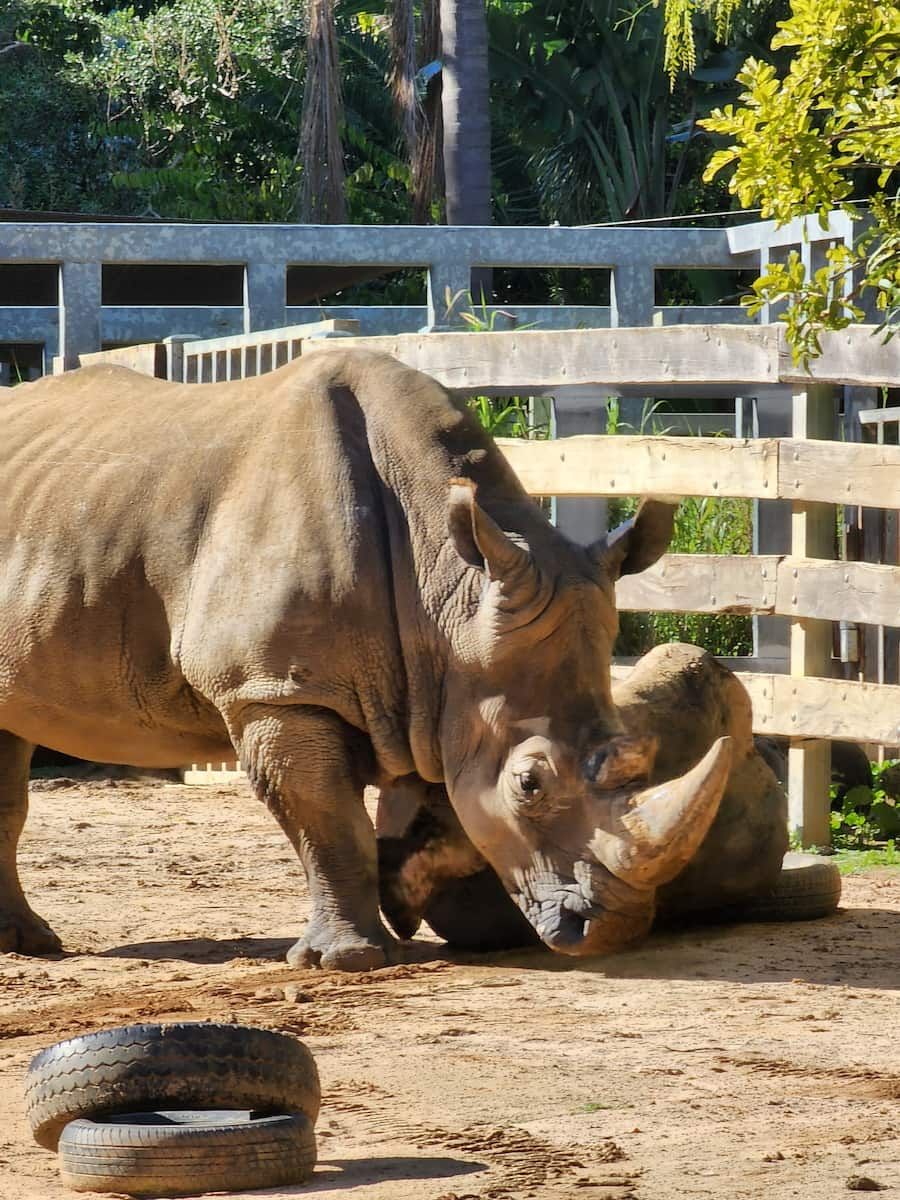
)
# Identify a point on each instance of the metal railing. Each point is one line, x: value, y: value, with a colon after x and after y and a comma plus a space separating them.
x: 80, y: 322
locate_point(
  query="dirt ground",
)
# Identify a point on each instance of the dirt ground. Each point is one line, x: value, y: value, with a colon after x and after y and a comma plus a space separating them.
x: 730, y: 1062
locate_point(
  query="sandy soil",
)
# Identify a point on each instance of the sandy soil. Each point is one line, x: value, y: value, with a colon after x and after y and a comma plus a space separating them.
x: 733, y: 1062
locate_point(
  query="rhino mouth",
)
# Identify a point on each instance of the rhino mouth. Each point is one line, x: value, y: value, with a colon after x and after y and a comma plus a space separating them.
x: 572, y: 922
x: 566, y: 929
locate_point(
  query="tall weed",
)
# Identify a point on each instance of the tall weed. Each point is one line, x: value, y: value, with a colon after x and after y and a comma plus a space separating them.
x: 703, y: 525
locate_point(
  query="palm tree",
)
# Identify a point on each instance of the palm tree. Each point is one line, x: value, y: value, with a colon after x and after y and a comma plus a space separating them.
x: 447, y: 132
x: 466, y: 112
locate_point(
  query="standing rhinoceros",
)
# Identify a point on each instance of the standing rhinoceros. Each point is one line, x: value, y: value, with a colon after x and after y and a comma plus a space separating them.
x: 332, y: 571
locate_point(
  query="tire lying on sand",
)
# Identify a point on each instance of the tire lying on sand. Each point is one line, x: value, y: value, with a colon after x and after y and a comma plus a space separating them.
x: 184, y: 1065
x: 809, y: 887
x: 475, y: 912
x: 180, y: 1153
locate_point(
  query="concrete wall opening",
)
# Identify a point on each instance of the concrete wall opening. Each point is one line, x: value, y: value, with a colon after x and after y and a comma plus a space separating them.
x: 35, y: 285
x: 173, y: 285
x: 363, y: 283
x: 20, y: 362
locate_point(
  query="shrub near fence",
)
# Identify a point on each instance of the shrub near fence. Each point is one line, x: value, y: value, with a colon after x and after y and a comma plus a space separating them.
x: 807, y: 705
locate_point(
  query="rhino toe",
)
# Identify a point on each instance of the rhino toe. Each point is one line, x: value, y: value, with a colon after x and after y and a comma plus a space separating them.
x: 344, y: 955
x: 27, y: 933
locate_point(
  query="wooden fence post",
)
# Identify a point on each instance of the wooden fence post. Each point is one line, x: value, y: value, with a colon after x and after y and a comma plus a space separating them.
x: 813, y: 532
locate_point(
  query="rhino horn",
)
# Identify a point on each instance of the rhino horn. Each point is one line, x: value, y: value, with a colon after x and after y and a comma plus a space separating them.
x: 665, y: 824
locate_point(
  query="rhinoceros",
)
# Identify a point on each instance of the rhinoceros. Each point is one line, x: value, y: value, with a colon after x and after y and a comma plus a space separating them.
x: 682, y: 696
x: 332, y: 571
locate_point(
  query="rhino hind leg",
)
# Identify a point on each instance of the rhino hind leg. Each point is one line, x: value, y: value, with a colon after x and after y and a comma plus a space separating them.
x: 22, y: 931
x: 305, y: 765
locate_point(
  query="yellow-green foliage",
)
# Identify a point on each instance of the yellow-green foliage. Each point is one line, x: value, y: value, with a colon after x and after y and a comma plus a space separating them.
x: 680, y: 53
x: 808, y: 142
x: 797, y: 139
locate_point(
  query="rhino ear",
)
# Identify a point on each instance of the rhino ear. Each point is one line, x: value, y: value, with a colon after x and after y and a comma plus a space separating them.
x: 477, y: 538
x: 639, y: 542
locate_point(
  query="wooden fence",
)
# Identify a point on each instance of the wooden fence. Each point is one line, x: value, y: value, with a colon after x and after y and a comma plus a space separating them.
x: 809, y: 706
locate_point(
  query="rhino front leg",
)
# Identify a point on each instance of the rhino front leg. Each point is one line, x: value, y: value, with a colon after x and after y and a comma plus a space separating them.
x: 21, y: 930
x: 310, y: 768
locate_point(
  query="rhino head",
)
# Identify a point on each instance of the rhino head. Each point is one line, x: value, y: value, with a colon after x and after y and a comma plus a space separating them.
x: 542, y: 777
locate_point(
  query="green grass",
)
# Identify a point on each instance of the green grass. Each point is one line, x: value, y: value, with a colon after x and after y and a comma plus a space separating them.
x: 852, y: 862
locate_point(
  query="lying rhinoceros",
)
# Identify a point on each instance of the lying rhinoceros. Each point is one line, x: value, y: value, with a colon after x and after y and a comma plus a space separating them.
x: 332, y: 571
x: 683, y: 697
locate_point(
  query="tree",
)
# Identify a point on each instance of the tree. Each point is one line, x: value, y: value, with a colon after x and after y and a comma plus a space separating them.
x: 466, y: 112
x: 825, y: 135
x: 320, y: 150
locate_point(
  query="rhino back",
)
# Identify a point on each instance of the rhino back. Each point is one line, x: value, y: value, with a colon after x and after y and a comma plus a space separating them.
x: 167, y: 549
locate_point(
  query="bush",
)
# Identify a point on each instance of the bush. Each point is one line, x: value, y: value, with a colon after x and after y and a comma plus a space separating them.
x: 864, y: 816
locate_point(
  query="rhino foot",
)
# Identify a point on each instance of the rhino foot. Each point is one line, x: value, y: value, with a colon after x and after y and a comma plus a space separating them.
x: 26, y: 933
x: 343, y: 954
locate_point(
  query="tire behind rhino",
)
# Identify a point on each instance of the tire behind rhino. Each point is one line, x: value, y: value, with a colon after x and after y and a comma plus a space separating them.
x: 476, y: 913
x: 808, y: 887
x: 183, y: 1065
x: 178, y: 1153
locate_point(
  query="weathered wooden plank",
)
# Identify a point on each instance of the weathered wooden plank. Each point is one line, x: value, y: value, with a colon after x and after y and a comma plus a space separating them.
x: 815, y: 588
x: 536, y: 360
x: 287, y: 333
x: 838, y: 591
x: 839, y: 473
x: 761, y: 468
x: 633, y: 466
x: 824, y: 708
x: 878, y: 416
x: 652, y: 356
x: 856, y: 355
x: 709, y: 583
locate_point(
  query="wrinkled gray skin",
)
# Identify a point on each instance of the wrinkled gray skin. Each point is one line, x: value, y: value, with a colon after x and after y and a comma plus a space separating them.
x: 679, y: 695
x: 296, y: 568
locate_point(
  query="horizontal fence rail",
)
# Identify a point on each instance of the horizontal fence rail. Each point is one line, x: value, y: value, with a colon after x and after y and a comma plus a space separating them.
x: 836, y: 709
x: 769, y: 584
x: 757, y: 468
x: 647, y: 357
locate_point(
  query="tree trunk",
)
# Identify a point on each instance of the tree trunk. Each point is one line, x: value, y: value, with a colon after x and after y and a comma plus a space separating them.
x: 466, y: 110
x: 321, y: 199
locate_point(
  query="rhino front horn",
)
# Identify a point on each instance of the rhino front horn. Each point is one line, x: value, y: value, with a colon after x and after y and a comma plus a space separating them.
x: 665, y: 824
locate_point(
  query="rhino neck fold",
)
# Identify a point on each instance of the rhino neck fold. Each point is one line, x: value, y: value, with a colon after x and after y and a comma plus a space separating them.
x: 416, y: 451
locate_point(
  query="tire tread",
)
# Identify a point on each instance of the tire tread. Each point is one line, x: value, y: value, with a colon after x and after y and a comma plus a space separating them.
x: 152, y: 1159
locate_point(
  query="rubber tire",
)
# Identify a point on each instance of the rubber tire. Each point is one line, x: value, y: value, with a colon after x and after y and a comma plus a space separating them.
x: 178, y: 1153
x: 475, y: 913
x: 141, y: 1068
x: 808, y: 888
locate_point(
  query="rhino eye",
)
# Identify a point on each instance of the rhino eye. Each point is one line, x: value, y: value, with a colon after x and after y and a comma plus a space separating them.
x: 529, y: 785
